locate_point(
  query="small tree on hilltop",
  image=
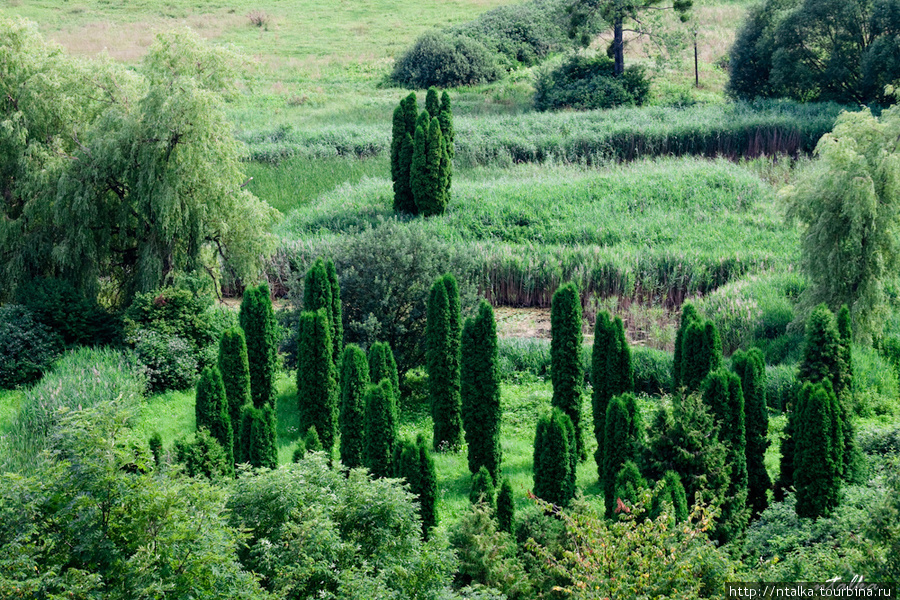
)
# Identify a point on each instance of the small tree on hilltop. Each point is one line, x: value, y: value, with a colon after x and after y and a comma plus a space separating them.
x: 565, y: 353
x: 480, y: 391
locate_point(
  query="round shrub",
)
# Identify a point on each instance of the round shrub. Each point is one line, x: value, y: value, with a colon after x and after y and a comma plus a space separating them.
x: 586, y: 82
x: 27, y: 347
x: 652, y: 370
x: 169, y: 360
x: 441, y: 60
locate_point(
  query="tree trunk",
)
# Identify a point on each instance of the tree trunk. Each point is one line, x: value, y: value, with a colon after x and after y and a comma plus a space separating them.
x: 618, y: 47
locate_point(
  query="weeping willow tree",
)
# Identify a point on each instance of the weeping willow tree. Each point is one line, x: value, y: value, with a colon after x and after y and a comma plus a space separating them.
x: 848, y: 204
x: 128, y: 175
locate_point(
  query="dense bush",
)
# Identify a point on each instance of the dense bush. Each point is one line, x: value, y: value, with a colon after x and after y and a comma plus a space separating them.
x: 169, y: 361
x: 586, y: 82
x: 652, y: 370
x: 27, y: 348
x: 202, y: 456
x: 445, y: 60
x: 79, y: 320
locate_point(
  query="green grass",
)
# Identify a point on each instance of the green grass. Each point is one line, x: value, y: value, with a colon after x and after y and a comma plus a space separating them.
x: 10, y: 403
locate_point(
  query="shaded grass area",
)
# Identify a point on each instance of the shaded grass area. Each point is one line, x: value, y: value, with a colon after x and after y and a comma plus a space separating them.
x: 656, y: 230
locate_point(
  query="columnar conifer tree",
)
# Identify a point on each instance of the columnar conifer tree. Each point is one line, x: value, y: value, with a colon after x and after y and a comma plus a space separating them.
x: 383, y: 366
x: 629, y: 484
x: 316, y: 383
x: 554, y: 462
x: 445, y: 117
x: 430, y: 169
x: 483, y: 489
x: 701, y: 353
x: 751, y: 368
x: 258, y: 322
x: 336, y: 313
x: 845, y: 333
x: 404, y: 128
x: 672, y: 491
x: 506, y: 507
x: 354, y: 379
x: 257, y: 425
x: 688, y: 316
x: 211, y: 411
x: 428, y: 487
x: 432, y: 104
x: 480, y: 391
x: 236, y: 377
x: 381, y: 428
x: 622, y: 441
x: 442, y: 365
x: 611, y: 372
x: 722, y: 393
x: 311, y: 440
x: 817, y: 462
x: 322, y: 290
x: 565, y: 357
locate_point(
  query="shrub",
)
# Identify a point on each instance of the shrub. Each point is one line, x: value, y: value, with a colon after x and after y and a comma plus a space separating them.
x: 79, y: 320
x: 586, y: 82
x: 173, y: 311
x: 202, y: 456
x: 652, y: 370
x: 27, y: 348
x: 170, y: 361
x: 442, y: 60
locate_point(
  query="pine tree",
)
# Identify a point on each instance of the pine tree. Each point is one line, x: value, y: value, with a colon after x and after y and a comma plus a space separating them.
x: 316, y: 384
x: 442, y: 365
x: 553, y: 459
x: 258, y: 322
x: 506, y: 507
x: 383, y: 366
x: 565, y: 357
x: 622, y: 442
x: 354, y: 379
x: 611, y: 372
x: 483, y: 489
x: 211, y: 410
x: 816, y: 462
x: 381, y: 428
x: 235, y: 372
x: 688, y: 315
x: 404, y: 126
x: 480, y: 391
x: 722, y: 393
x: 751, y: 368
x: 428, y: 487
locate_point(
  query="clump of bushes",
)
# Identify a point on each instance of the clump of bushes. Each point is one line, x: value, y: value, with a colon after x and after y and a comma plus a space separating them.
x: 445, y: 60
x: 27, y: 347
x: 587, y: 81
x: 79, y: 320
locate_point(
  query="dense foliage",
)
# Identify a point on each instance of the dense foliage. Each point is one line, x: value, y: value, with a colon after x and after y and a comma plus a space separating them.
x: 480, y: 391
x: 442, y: 363
x: 611, y: 373
x: 352, y: 414
x: 565, y: 357
x: 317, y: 388
x: 27, y: 347
x: 586, y: 82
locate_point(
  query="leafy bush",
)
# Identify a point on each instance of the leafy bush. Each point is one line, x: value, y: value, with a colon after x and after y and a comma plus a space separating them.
x: 442, y: 60
x: 170, y: 361
x: 202, y: 456
x: 79, y: 320
x: 586, y: 82
x: 27, y: 348
x: 652, y: 370
x: 81, y: 378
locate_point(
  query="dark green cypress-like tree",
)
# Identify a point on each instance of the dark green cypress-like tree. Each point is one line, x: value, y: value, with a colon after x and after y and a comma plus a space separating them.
x: 381, y: 428
x: 565, y: 357
x: 722, y: 393
x: 751, y: 368
x: 701, y: 353
x: 553, y: 459
x: 418, y: 169
x: 480, y: 391
x: 211, y: 410
x: 442, y: 365
x: 260, y: 331
x: 311, y: 440
x: 672, y: 492
x: 455, y: 311
x: 354, y: 379
x: 431, y: 197
x: 404, y: 126
x: 428, y: 487
x: 845, y: 333
x: 629, y: 484
x: 506, y: 507
x: 816, y: 463
x: 322, y: 290
x: 622, y: 441
x: 383, y: 366
x: 235, y: 370
x: 432, y: 104
x: 156, y: 448
x: 316, y: 384
x: 445, y: 117
x: 336, y: 314
x: 688, y: 315
x: 405, y: 463
x: 785, y: 479
x: 258, y: 433
x: 483, y: 489
x: 299, y: 451
x: 611, y: 372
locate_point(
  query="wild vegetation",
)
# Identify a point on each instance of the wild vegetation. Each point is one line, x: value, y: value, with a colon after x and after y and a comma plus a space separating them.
x: 712, y: 284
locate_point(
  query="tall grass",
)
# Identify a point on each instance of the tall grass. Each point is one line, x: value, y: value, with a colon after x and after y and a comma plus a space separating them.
x: 732, y: 130
x: 82, y: 378
x: 655, y: 230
